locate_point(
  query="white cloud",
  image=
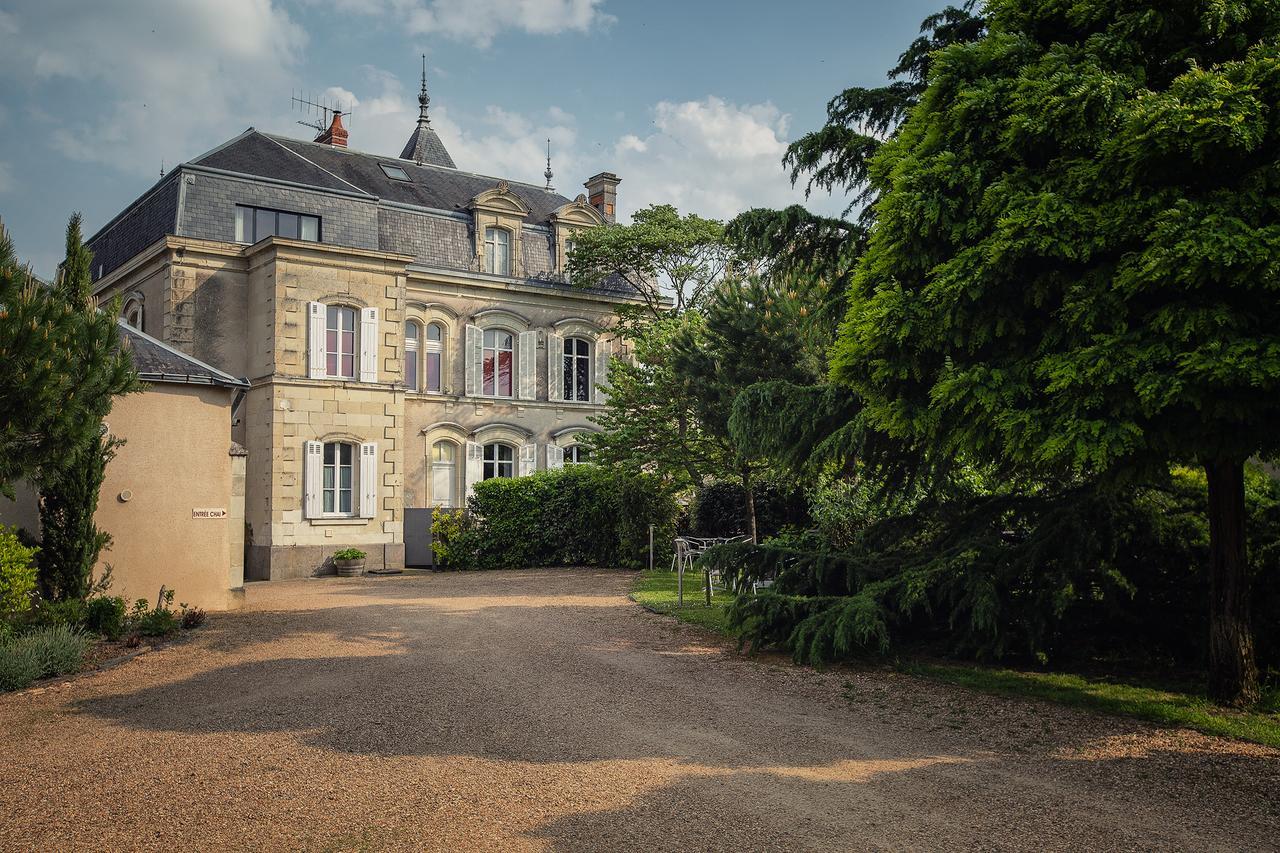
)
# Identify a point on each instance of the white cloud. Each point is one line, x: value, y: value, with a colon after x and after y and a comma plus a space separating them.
x: 480, y: 21
x: 709, y: 157
x: 172, y: 73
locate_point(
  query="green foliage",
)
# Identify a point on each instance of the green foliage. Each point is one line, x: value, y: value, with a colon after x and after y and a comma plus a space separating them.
x: 17, y: 574
x: 42, y: 653
x: 719, y: 508
x: 447, y: 526
x: 153, y: 622
x: 71, y: 542
x: 657, y: 591
x: 1058, y: 575
x: 671, y: 261
x: 63, y: 364
x: 69, y: 612
x: 105, y: 615
x: 581, y: 515
x: 349, y: 554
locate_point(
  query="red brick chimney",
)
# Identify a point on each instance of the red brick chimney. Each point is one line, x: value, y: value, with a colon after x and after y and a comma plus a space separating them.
x: 602, y: 193
x: 336, y: 134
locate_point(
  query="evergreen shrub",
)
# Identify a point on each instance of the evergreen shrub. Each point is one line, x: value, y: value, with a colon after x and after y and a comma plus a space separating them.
x: 44, y: 652
x: 720, y: 509
x: 17, y: 573
x: 580, y: 515
x: 105, y: 615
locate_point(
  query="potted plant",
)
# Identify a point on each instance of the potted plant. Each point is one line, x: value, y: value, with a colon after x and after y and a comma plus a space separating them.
x: 350, y: 562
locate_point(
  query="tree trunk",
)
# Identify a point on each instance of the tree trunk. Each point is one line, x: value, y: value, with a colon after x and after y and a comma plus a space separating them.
x: 1233, y: 672
x: 751, y: 505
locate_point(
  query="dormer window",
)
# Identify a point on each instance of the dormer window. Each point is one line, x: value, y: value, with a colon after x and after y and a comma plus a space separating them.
x: 497, y: 251
x: 395, y: 173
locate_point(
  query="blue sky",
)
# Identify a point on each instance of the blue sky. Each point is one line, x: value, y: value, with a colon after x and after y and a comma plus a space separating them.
x: 689, y: 102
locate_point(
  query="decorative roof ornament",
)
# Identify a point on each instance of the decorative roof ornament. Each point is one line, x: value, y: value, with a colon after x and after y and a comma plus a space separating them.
x: 547, y: 173
x: 424, y: 100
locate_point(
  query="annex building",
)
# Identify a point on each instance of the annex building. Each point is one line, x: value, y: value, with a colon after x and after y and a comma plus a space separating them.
x: 402, y: 328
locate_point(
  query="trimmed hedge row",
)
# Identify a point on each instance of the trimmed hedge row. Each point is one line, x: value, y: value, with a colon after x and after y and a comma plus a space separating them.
x: 580, y: 515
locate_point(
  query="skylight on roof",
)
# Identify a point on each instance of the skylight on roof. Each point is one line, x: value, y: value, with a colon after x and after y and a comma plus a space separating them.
x: 395, y: 173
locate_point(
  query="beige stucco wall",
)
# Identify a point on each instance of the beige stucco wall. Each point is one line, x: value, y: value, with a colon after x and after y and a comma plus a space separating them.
x: 176, y: 459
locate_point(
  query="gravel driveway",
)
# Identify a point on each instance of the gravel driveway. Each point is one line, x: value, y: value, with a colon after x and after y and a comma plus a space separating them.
x: 543, y: 710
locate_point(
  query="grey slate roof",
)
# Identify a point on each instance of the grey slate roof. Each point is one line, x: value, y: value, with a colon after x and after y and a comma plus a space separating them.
x: 156, y: 361
x: 329, y: 167
x: 425, y: 147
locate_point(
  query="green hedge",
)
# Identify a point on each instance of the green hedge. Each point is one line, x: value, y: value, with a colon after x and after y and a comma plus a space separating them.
x: 580, y: 515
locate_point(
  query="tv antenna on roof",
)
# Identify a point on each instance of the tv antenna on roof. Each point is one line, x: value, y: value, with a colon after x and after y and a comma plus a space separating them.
x: 322, y: 109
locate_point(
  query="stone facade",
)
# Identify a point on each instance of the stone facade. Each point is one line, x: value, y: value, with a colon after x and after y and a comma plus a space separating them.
x: 251, y: 310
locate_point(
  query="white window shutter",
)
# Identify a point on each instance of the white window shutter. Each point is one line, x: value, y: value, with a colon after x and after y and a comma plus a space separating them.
x: 527, y: 369
x: 369, y: 345
x: 317, y: 313
x: 369, y: 479
x: 474, y: 357
x: 555, y: 457
x: 604, y: 349
x: 555, y: 366
x: 312, y: 477
x: 528, y: 459
x: 475, y: 465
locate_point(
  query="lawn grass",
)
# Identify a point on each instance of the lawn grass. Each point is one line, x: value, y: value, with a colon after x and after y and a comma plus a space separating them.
x: 656, y: 591
x: 1168, y: 708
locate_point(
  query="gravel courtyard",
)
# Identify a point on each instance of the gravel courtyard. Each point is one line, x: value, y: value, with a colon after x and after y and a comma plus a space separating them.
x: 543, y: 710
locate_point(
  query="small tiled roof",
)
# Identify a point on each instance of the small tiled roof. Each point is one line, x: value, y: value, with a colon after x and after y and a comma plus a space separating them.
x: 156, y: 361
x: 425, y: 147
x: 332, y: 167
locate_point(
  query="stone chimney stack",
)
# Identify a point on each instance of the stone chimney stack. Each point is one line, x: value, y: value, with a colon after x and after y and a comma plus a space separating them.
x: 336, y: 134
x: 602, y: 192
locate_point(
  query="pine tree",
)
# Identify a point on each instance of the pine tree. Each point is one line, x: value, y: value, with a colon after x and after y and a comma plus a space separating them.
x: 1075, y: 256
x: 63, y: 364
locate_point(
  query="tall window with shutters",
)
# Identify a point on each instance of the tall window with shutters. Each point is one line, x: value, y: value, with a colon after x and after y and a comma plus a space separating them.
x: 338, y: 489
x: 497, y: 362
x: 434, y: 358
x: 497, y: 251
x: 340, y: 342
x: 412, y: 354
x: 340, y: 479
x: 577, y: 370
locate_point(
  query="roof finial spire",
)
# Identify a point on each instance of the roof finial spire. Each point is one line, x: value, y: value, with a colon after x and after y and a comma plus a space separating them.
x: 423, y: 98
x: 548, y: 172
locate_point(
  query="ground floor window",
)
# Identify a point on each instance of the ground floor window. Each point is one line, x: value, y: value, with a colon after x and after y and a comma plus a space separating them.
x: 576, y: 454
x: 499, y: 461
x: 443, y: 476
x: 338, y: 478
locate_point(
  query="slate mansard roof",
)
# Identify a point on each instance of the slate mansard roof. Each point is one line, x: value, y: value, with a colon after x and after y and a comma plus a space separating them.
x: 360, y: 206
x: 156, y: 361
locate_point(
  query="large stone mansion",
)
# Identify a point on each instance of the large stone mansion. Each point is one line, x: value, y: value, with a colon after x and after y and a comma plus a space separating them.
x: 405, y: 328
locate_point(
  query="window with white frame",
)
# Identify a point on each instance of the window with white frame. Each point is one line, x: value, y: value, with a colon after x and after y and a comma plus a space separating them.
x: 338, y: 489
x: 497, y: 251
x: 340, y: 341
x: 412, y: 335
x: 497, y: 363
x: 133, y: 313
x: 258, y: 223
x: 577, y: 370
x: 340, y: 479
x: 499, y: 461
x: 435, y: 358
x: 444, y: 456
x: 576, y: 454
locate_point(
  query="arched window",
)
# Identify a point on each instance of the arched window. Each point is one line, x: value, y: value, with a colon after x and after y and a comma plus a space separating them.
x: 340, y: 341
x: 497, y: 251
x: 444, y: 455
x: 132, y: 313
x: 498, y: 355
x: 412, y: 336
x: 499, y: 461
x: 338, y: 485
x: 576, y: 454
x: 435, y: 357
x: 577, y: 370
